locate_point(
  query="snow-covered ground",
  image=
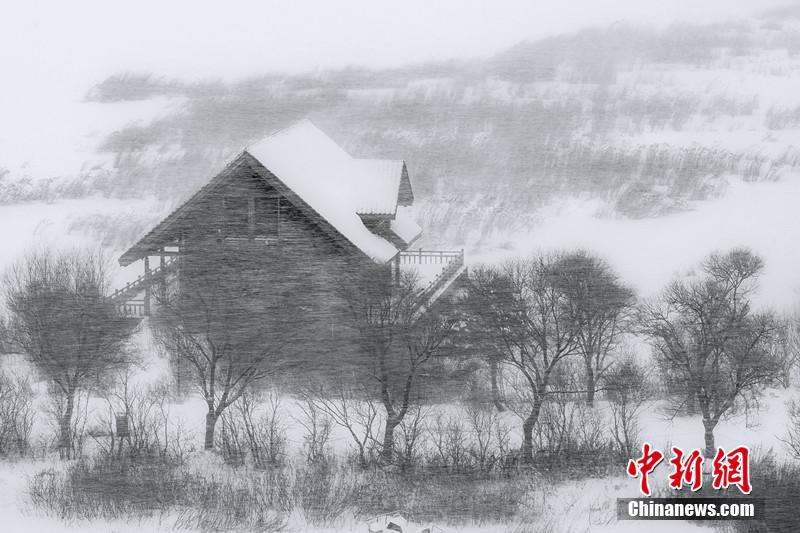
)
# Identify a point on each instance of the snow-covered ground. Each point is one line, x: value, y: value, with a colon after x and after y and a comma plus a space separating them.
x: 576, y: 506
x: 649, y: 252
x: 572, y: 506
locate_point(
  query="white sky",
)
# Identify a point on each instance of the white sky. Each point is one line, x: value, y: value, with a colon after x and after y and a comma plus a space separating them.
x: 52, y: 52
x: 57, y: 41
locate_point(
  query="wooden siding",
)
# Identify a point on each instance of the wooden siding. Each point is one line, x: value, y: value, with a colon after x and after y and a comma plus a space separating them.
x: 298, y: 269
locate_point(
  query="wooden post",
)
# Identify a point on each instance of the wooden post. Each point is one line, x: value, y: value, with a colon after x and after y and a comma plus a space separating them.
x: 224, y: 231
x: 163, y: 282
x: 251, y: 216
x: 147, y: 287
x: 397, y: 270
x: 278, y: 226
x: 179, y: 263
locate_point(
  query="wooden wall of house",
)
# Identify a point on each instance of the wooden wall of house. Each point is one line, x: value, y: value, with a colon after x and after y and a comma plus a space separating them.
x: 244, y: 241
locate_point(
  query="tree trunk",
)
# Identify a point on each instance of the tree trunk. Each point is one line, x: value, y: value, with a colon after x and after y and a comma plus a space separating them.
x: 711, y: 450
x: 65, y: 429
x: 527, y: 432
x: 691, y: 398
x: 211, y: 423
x: 590, y: 383
x: 498, y: 403
x: 388, y: 439
x: 362, y: 456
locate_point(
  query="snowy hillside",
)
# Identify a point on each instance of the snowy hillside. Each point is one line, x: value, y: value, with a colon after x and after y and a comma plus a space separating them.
x: 626, y: 123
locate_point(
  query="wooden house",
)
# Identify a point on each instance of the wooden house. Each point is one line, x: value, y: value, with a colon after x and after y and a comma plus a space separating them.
x: 295, y: 208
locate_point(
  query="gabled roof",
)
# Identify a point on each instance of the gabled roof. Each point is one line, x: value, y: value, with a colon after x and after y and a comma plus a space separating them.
x: 320, y: 171
x: 319, y: 177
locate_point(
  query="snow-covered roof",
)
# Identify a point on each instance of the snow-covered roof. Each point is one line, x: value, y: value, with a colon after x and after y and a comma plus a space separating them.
x: 318, y: 174
x: 379, y: 184
x: 333, y: 183
x: 405, y: 226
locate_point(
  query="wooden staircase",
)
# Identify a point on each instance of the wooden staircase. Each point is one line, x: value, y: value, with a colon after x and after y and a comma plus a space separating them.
x: 125, y: 298
x: 439, y: 279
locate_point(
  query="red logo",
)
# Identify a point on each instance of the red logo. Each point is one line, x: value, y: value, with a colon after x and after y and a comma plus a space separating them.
x: 732, y: 468
x: 687, y: 470
x: 728, y: 469
x: 644, y: 465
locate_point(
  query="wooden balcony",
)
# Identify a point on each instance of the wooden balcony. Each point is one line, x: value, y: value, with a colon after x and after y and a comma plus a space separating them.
x: 436, y: 271
x: 125, y: 298
x: 139, y: 284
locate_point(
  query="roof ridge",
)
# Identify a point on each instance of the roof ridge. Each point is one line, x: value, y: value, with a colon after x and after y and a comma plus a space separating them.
x: 283, y: 129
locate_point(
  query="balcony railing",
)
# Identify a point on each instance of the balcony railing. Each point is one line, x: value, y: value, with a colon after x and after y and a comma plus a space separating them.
x: 430, y: 257
x: 139, y: 284
x: 437, y: 269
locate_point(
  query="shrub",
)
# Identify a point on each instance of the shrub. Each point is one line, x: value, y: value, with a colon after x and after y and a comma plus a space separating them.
x: 449, y: 443
x: 253, y: 429
x: 628, y: 390
x: 409, y: 436
x: 569, y: 438
x: 16, y: 415
x: 215, y: 497
x: 317, y: 425
x: 210, y: 501
x: 792, y: 439
x: 153, y: 433
x: 324, y: 492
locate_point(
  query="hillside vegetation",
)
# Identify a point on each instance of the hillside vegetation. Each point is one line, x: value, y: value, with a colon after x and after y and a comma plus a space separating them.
x: 645, y: 121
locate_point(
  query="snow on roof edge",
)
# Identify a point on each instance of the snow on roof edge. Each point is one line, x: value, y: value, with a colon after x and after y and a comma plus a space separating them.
x: 328, y: 180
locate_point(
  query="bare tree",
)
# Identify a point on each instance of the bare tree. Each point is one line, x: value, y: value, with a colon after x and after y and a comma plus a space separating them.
x: 61, y: 319
x: 396, y: 341
x: 351, y: 407
x: 792, y: 438
x: 230, y: 324
x: 705, y: 330
x: 16, y: 414
x: 627, y: 389
x: 786, y: 346
x: 253, y: 426
x: 600, y: 305
x: 317, y: 427
x: 528, y: 316
x: 411, y: 433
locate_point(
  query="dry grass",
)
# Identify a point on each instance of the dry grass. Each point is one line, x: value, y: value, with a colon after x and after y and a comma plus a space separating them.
x: 216, y: 497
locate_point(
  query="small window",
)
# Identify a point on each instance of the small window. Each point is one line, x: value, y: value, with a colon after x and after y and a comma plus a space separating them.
x: 266, y: 216
x: 236, y: 214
